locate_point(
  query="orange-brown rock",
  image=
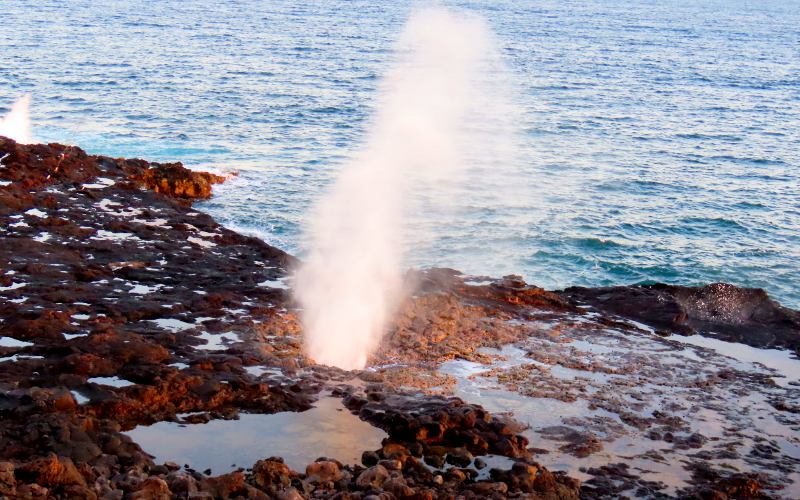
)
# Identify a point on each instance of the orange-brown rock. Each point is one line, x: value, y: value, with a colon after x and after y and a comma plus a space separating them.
x: 224, y: 486
x: 52, y: 471
x: 173, y: 179
x: 8, y: 483
x: 323, y: 471
x: 272, y: 472
x: 152, y: 488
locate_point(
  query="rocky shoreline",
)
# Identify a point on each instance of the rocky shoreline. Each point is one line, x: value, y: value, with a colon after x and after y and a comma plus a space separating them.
x: 122, y: 306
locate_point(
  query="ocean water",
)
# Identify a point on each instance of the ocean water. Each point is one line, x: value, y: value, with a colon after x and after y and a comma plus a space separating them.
x: 660, y: 140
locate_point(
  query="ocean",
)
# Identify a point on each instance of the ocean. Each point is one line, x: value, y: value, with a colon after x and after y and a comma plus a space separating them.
x: 660, y: 140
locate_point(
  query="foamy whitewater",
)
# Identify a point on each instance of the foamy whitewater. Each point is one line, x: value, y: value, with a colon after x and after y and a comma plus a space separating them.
x: 440, y: 110
x: 16, y: 124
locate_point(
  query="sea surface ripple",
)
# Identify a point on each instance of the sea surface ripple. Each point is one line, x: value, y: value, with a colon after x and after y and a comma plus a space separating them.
x: 661, y: 139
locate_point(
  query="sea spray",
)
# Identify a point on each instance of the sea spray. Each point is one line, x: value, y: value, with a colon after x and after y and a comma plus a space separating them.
x: 16, y: 124
x: 437, y: 112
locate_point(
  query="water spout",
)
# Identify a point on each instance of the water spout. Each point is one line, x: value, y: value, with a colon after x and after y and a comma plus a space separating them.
x: 16, y: 124
x: 425, y: 126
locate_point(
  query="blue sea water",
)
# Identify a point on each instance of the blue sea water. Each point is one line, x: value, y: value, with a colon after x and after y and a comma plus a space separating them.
x: 661, y: 138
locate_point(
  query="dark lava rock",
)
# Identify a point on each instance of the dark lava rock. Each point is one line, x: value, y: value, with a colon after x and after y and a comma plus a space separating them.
x: 369, y: 458
x: 459, y: 457
x: 108, y: 271
x: 735, y: 314
x: 435, y: 461
x: 99, y: 269
x: 446, y: 422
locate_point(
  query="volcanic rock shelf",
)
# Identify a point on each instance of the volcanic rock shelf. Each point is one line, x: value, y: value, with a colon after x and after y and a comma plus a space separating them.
x: 108, y: 274
x: 121, y: 307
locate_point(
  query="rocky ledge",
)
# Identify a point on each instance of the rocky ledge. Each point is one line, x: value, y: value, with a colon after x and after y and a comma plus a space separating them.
x: 724, y: 311
x: 122, y: 306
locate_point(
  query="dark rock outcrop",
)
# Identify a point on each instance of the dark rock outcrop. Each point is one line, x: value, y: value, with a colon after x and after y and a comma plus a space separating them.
x: 724, y: 311
x: 448, y: 423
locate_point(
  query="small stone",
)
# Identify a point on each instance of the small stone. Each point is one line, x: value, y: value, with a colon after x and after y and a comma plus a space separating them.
x: 32, y: 491
x: 436, y: 461
x: 53, y: 470
x: 369, y: 458
x: 521, y: 468
x: 459, y: 457
x: 290, y: 494
x: 398, y: 487
x: 545, y: 481
x: 181, y: 483
x: 392, y: 464
x: 425, y: 494
x: 374, y: 477
x: 394, y: 450
x: 224, y: 486
x: 485, y: 489
x: 323, y: 471
x: 416, y: 449
x: 524, y: 476
x: 271, y: 472
x: 456, y: 475
x: 437, y: 450
x: 152, y: 488
x: 8, y: 483
x: 480, y: 463
x: 159, y: 470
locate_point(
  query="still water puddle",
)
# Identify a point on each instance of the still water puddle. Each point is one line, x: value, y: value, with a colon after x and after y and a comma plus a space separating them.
x: 327, y: 430
x: 787, y: 368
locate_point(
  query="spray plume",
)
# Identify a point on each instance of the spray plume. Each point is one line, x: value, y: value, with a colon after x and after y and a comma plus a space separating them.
x: 429, y: 118
x: 17, y: 123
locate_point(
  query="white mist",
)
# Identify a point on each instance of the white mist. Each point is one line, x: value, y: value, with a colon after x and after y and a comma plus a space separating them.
x: 438, y: 110
x: 16, y: 124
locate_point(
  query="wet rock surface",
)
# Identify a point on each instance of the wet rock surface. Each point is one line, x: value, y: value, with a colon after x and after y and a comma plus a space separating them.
x: 122, y: 306
x: 627, y: 409
x: 728, y: 312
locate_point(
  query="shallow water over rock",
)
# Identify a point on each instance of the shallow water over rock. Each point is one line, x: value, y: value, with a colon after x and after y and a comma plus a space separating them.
x: 327, y: 430
x: 782, y: 362
x: 595, y: 397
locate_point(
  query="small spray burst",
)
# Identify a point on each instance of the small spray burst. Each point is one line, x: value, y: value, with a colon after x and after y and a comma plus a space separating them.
x: 17, y: 123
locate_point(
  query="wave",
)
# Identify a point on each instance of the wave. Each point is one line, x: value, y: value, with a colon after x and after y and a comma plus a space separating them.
x: 595, y: 243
